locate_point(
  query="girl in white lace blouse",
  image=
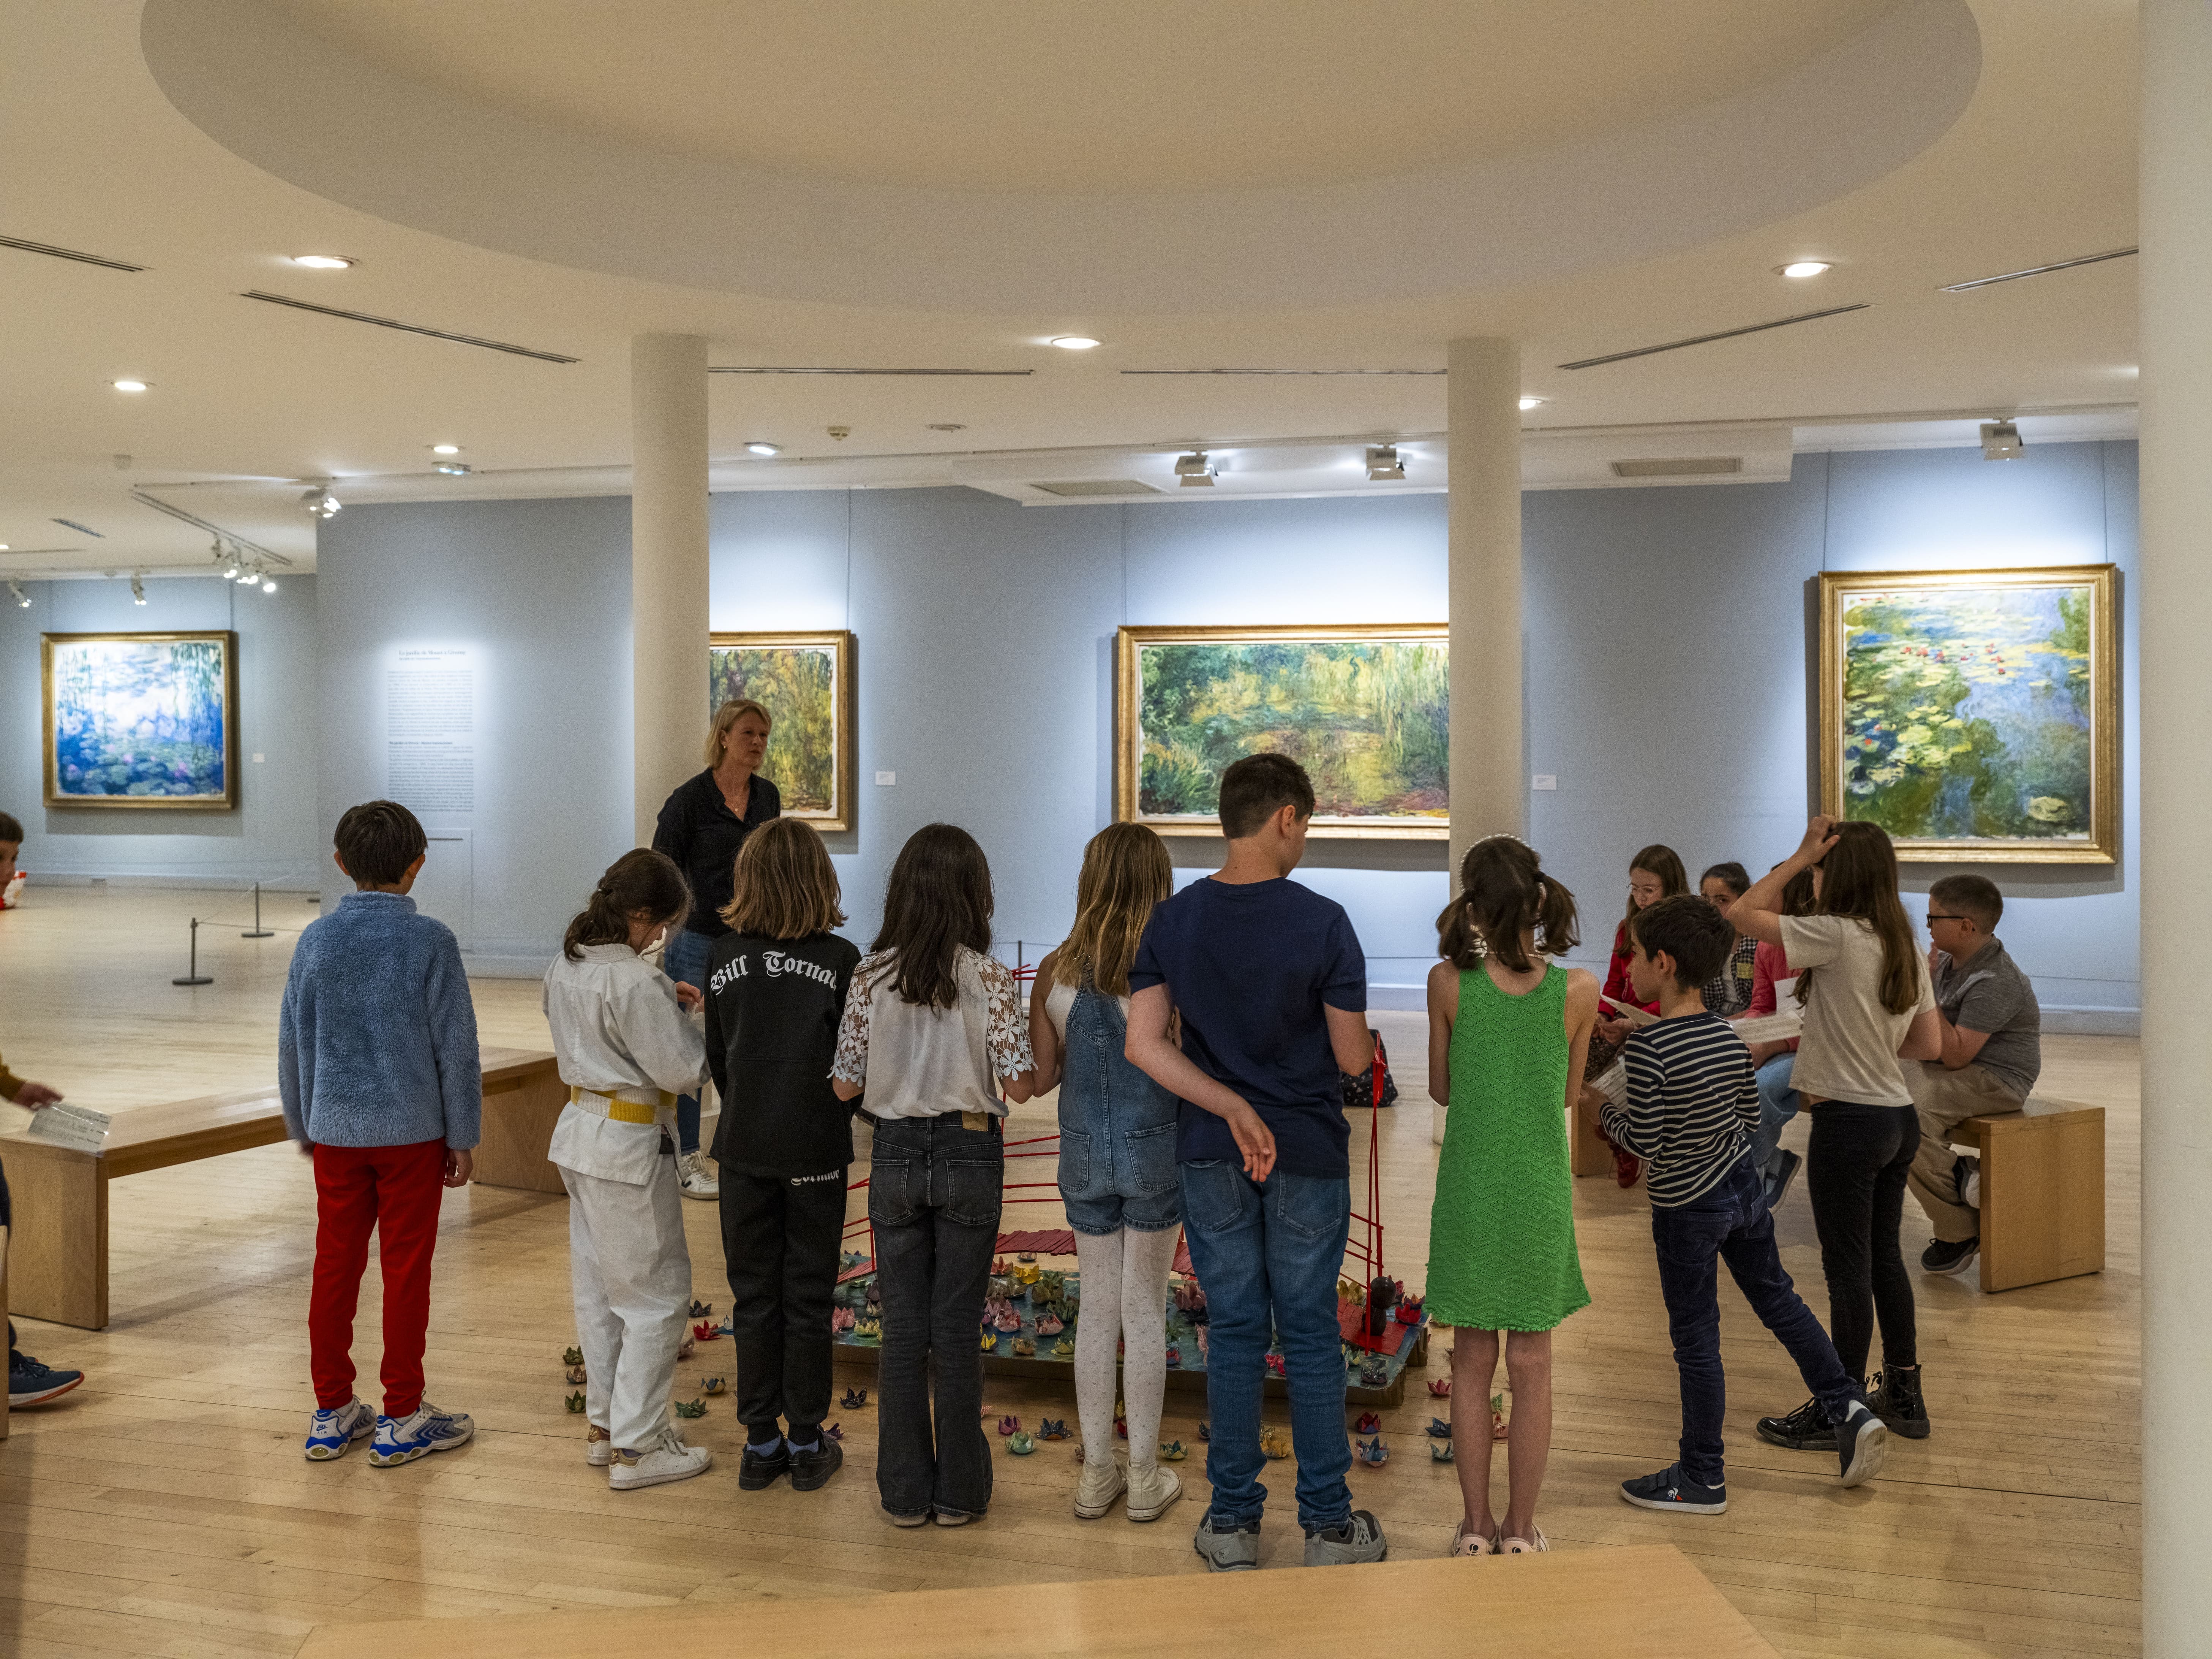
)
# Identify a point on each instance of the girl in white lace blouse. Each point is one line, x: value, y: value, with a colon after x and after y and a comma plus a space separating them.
x: 933, y: 1029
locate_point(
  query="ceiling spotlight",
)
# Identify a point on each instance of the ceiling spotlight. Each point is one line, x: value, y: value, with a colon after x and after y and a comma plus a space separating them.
x: 137, y: 588
x: 762, y: 446
x: 445, y: 449
x: 268, y: 584
x: 320, y: 502
x: 1074, y: 342
x: 128, y: 386
x: 2000, y: 441
x: 324, y: 261
x: 1803, y: 267
x: 1195, y: 470
x: 1532, y: 402
x: 452, y: 469
x: 15, y: 592
x: 1383, y: 464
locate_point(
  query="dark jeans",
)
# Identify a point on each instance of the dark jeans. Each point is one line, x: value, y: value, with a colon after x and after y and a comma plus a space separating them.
x: 684, y: 959
x: 1269, y: 1257
x: 781, y: 1239
x: 1859, y: 1158
x: 933, y: 1198
x: 1731, y: 1223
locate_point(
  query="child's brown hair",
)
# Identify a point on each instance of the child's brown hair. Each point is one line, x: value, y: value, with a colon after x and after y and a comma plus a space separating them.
x: 785, y: 886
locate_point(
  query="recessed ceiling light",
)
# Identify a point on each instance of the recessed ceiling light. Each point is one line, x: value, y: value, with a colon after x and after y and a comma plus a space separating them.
x: 762, y: 446
x: 452, y: 469
x: 1532, y: 402
x: 324, y: 261
x: 1803, y: 267
x: 128, y: 386
x: 445, y: 449
x: 1074, y: 342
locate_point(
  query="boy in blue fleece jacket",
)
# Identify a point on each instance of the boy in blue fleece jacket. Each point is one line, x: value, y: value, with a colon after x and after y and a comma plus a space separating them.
x: 383, y: 1088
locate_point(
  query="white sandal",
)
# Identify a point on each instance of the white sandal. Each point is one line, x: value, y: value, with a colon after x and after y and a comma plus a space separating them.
x: 1471, y: 1543
x: 1531, y: 1545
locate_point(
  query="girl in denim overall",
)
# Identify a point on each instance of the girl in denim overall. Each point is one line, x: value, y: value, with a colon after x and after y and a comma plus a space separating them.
x: 1117, y: 1166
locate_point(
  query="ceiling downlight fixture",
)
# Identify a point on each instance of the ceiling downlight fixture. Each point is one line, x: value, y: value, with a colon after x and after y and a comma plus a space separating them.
x: 1802, y: 267
x: 762, y: 448
x: 1384, y: 464
x: 324, y: 261
x: 1195, y: 471
x: 130, y: 385
x: 452, y: 469
x: 1528, y: 403
x: 445, y: 449
x: 1072, y: 342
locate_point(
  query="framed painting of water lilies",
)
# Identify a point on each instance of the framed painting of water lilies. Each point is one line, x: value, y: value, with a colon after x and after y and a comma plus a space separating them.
x: 1363, y: 707
x: 140, y: 720
x: 1974, y: 715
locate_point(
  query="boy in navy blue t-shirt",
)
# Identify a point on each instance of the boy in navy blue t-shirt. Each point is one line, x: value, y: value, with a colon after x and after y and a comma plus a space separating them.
x: 1269, y: 980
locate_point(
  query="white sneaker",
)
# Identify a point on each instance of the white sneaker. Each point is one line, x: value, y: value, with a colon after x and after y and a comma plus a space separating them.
x: 666, y: 1459
x: 599, y: 1447
x: 1101, y: 1483
x: 695, y: 1178
x: 1153, y: 1489
x: 330, y: 1434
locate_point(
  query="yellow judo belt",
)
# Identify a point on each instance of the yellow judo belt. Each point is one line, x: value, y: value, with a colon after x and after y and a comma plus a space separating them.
x: 620, y: 1111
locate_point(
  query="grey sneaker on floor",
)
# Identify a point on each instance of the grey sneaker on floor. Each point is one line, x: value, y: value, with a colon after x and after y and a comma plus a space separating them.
x: 1228, y: 1552
x: 1359, y: 1539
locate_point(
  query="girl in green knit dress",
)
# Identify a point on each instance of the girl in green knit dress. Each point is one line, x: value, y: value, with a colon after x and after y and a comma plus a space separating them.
x: 1508, y: 1034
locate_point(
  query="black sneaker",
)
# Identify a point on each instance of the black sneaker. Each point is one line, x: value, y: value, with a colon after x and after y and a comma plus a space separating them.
x: 1896, y: 1400
x: 1806, y: 1429
x: 1862, y: 1446
x: 810, y: 1469
x: 758, y: 1471
x: 1671, y: 1489
x: 30, y: 1384
x: 1940, y: 1257
x: 1966, y: 1178
x: 1778, y: 1186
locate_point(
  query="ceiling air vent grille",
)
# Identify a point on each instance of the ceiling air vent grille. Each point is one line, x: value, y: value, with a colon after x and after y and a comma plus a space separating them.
x: 1690, y: 466
x: 1079, y: 487
x: 407, y: 328
x: 52, y: 251
x: 1724, y: 334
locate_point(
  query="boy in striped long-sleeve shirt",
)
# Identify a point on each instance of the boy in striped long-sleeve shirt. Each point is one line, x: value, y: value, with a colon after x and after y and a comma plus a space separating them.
x: 1691, y: 1106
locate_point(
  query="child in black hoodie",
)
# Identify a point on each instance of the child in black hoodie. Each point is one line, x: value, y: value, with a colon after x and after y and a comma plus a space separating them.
x: 774, y: 992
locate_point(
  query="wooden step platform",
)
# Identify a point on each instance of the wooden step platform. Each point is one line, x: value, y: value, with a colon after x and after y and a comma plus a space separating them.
x: 1646, y: 1599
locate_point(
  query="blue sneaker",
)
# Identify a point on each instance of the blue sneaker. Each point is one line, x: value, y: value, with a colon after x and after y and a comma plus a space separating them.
x: 330, y: 1433
x: 30, y: 1384
x: 403, y: 1439
x: 1671, y: 1489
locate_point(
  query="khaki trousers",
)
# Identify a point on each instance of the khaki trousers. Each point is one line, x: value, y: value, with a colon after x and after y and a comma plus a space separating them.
x: 1944, y: 1100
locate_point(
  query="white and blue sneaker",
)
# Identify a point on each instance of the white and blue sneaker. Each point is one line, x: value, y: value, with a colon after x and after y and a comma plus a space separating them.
x: 403, y: 1439
x: 329, y: 1433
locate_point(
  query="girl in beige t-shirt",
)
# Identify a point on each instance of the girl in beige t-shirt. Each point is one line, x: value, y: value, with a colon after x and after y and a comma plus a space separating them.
x: 1867, y: 1003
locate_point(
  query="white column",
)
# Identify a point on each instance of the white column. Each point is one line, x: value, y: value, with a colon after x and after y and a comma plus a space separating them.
x: 667, y: 566
x: 2176, y: 346
x: 1489, y: 768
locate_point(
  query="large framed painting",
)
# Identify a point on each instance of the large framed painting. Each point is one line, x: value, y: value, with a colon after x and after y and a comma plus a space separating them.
x: 140, y: 720
x: 805, y: 681
x: 1363, y: 707
x: 1974, y: 715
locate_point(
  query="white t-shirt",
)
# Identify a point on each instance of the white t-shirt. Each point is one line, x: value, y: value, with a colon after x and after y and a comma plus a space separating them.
x: 1849, y: 1048
x: 1059, y: 1002
x: 917, y: 1062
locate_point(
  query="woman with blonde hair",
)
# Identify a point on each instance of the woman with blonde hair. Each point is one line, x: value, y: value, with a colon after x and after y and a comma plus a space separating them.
x: 1117, y: 1166
x: 701, y: 826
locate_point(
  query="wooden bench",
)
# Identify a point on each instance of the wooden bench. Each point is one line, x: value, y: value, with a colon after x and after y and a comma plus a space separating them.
x: 58, y: 1259
x: 1646, y: 1599
x: 2043, y: 1191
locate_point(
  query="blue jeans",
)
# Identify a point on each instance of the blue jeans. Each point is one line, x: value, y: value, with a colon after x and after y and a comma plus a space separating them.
x: 685, y: 960
x: 1731, y: 1223
x: 1117, y: 1129
x: 1778, y: 1104
x: 1267, y: 1257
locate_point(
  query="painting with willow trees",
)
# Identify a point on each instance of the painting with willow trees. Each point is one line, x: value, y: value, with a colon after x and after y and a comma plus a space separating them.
x: 805, y: 681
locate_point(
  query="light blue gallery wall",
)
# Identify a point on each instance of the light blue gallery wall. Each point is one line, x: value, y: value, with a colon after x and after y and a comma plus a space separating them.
x: 270, y: 835
x: 1670, y: 634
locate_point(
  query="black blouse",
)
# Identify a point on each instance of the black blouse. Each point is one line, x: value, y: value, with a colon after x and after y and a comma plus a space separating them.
x: 699, y: 831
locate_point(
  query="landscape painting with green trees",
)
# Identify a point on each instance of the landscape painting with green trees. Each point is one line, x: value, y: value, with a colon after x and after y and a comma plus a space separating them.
x: 1971, y: 713
x: 1367, y: 717
x: 804, y: 683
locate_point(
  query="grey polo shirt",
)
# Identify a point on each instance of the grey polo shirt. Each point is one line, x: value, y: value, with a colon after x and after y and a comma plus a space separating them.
x: 1988, y: 992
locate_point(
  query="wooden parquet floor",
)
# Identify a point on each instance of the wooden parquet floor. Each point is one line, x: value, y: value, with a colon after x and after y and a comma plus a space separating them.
x: 165, y: 1508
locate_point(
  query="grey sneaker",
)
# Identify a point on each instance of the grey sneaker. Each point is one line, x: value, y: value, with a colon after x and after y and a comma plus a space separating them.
x: 1228, y: 1552
x: 1359, y: 1539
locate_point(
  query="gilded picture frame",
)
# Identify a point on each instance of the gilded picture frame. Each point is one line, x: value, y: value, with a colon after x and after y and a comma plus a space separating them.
x: 1364, y: 706
x: 1974, y: 715
x: 805, y: 681
x: 139, y: 722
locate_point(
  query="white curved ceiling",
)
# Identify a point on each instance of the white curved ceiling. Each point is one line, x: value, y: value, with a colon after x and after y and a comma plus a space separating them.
x: 1679, y: 125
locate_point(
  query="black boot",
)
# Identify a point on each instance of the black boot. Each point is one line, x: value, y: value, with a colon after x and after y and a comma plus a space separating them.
x: 1896, y: 1400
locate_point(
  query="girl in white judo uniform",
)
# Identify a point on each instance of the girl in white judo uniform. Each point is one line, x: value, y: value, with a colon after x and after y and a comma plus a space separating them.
x: 627, y: 1050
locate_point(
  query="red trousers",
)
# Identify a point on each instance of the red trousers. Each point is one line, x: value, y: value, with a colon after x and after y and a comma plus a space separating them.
x: 397, y: 1191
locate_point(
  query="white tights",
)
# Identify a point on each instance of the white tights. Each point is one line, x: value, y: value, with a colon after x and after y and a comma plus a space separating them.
x: 1124, y: 1295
